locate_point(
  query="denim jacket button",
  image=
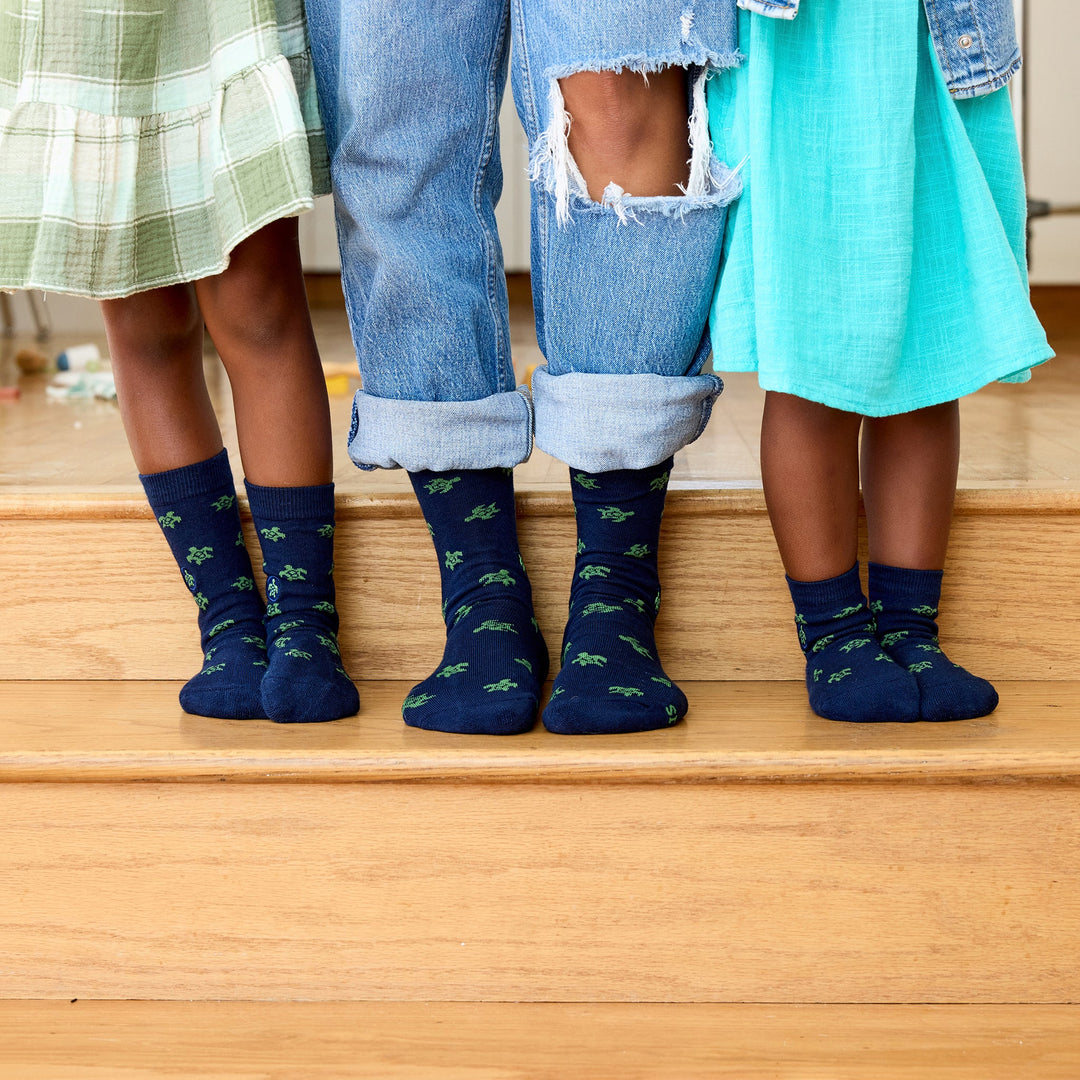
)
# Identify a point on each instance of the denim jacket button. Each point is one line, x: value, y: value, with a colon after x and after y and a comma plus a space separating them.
x: 965, y: 42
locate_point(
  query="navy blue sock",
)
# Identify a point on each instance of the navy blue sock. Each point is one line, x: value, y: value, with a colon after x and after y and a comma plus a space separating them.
x: 196, y: 508
x: 495, y: 660
x: 611, y: 679
x: 905, y: 606
x: 306, y: 683
x: 848, y: 675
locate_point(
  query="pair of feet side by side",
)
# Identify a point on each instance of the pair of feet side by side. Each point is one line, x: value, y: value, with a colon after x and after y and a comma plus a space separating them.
x: 280, y: 661
x: 882, y: 661
x: 495, y: 660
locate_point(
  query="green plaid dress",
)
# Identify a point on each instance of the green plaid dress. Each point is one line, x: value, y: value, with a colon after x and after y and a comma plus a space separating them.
x: 141, y: 140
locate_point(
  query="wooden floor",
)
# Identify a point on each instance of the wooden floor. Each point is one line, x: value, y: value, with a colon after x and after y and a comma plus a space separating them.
x: 1013, y: 436
x: 97, y: 1040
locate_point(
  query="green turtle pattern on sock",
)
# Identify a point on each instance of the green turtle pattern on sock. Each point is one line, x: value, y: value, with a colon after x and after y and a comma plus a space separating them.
x: 494, y: 661
x: 195, y: 506
x: 306, y: 681
x: 612, y: 680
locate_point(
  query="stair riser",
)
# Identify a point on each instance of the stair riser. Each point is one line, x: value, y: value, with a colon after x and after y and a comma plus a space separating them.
x: 756, y: 892
x: 102, y: 599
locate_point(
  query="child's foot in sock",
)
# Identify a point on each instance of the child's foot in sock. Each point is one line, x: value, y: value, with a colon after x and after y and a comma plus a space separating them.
x: 905, y: 606
x: 848, y: 675
x: 306, y: 683
x: 611, y: 680
x: 495, y: 661
x: 196, y: 508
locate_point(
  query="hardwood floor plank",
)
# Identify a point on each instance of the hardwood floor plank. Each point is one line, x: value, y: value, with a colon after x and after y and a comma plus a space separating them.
x: 89, y: 1040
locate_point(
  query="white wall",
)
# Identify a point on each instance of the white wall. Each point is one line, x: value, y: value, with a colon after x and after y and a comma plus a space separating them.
x: 1052, y: 53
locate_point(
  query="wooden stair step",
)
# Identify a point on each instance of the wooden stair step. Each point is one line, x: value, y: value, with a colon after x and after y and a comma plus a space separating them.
x: 91, y: 591
x: 85, y: 1040
x: 753, y: 854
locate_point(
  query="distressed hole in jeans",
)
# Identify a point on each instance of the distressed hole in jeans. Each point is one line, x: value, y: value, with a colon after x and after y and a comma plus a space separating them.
x: 710, y: 182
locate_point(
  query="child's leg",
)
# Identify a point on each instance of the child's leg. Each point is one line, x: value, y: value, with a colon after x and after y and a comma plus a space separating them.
x: 809, y: 467
x: 155, y: 340
x: 631, y: 131
x: 909, y: 465
x: 495, y: 660
x: 256, y: 312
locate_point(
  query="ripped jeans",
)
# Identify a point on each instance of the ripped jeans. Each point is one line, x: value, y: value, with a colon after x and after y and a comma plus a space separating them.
x: 410, y: 94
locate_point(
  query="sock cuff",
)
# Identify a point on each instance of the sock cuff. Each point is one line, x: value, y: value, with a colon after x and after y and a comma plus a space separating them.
x: 842, y: 589
x: 291, y: 503
x: 893, y: 580
x: 202, y: 478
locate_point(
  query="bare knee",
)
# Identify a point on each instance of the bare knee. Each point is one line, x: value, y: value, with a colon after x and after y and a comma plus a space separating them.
x: 629, y: 129
x: 258, y: 304
x: 157, y: 325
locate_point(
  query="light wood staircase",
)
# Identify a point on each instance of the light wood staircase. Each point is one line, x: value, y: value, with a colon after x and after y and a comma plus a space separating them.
x: 754, y: 893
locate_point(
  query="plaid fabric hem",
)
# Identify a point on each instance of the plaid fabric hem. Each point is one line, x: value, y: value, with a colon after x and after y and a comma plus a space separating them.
x: 103, y: 200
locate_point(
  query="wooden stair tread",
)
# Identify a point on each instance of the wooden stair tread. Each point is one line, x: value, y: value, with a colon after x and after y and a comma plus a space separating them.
x: 737, y: 731
x: 455, y: 1041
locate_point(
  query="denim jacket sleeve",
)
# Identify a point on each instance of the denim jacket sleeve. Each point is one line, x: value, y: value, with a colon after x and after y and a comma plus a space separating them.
x: 975, y: 40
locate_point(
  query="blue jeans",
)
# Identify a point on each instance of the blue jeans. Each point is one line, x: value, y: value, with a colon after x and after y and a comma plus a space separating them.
x: 410, y: 94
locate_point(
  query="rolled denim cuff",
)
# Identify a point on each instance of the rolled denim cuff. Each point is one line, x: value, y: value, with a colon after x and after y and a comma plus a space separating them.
x: 603, y: 422
x: 390, y: 433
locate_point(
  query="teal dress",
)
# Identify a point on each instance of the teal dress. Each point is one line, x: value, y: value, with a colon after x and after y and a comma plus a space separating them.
x: 875, y: 262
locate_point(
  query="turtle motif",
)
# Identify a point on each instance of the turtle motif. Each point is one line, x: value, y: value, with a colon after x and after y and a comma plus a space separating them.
x: 594, y: 571
x: 293, y: 573
x: 326, y: 606
x: 214, y: 669
x: 585, y: 659
x: 598, y: 607
x: 221, y: 626
x: 251, y: 639
x: 329, y: 643
x: 170, y: 520
x: 189, y: 578
x: 298, y: 654
x: 838, y: 676
x: 925, y: 609
x: 581, y: 547
x: 461, y: 613
x: 822, y: 643
x: 501, y: 685
x: 226, y: 502
x: 637, y: 605
x: 661, y: 681
x: 452, y: 669
x: 922, y: 665
x: 626, y: 691
x: 243, y: 584
x: 272, y: 610
x: 498, y: 577
x: 613, y: 513
x: 524, y: 663
x: 414, y: 701
x: 895, y: 637
x: 273, y: 534
x: 660, y: 482
x: 441, y: 485
x: 326, y: 531
x: 199, y: 555
x: 453, y: 560
x: 202, y: 602
x: 855, y: 643
x: 483, y: 512
x: 853, y: 610
x: 638, y: 551
x: 636, y: 646
x: 587, y: 482
x: 495, y: 624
